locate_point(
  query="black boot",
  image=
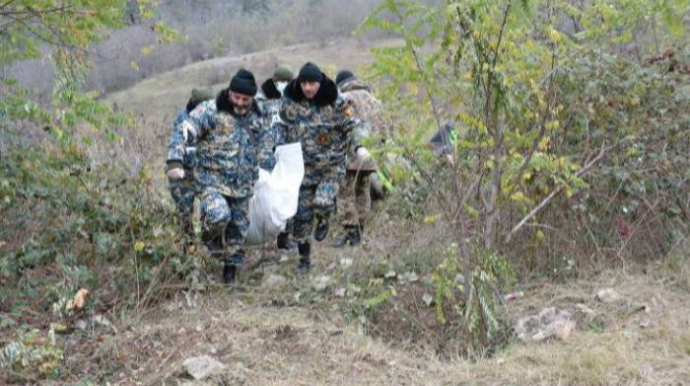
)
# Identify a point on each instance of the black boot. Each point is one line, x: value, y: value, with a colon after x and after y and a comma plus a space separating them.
x: 304, y: 258
x: 355, y: 236
x: 229, y: 273
x: 321, y: 231
x: 230, y: 265
x: 352, y: 237
x: 284, y: 242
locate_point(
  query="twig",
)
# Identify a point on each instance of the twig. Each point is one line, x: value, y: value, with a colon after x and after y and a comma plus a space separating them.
x: 553, y: 194
x: 7, y: 3
x: 154, y: 281
x: 542, y: 129
x: 415, y: 55
x: 38, y: 13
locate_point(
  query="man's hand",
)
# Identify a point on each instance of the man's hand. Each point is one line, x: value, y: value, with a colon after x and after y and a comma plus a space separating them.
x: 363, y: 153
x: 175, y: 174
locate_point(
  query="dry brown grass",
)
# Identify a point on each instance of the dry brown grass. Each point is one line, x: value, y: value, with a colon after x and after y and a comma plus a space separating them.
x: 268, y: 337
x: 291, y: 336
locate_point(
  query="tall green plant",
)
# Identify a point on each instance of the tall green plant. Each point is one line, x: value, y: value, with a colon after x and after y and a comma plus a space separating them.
x: 494, y: 70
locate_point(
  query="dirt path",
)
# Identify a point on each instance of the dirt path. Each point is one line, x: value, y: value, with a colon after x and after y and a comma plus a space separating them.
x: 271, y: 336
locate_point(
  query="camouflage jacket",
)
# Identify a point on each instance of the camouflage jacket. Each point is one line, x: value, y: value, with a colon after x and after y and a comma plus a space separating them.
x: 369, y: 111
x: 323, y: 126
x: 270, y: 102
x: 270, y: 99
x: 181, y: 149
x: 226, y: 158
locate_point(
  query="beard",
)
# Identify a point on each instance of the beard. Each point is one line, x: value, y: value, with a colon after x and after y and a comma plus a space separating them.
x: 240, y: 110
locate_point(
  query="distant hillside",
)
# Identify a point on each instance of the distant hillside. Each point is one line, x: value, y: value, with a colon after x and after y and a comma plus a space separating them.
x: 163, y: 95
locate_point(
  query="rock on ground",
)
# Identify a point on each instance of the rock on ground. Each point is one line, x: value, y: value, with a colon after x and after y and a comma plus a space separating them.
x: 549, y: 323
x: 202, y: 367
x: 321, y: 283
x: 608, y: 295
x: 274, y: 281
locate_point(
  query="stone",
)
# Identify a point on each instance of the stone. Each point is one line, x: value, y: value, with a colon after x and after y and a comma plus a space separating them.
x: 202, y: 367
x: 608, y: 295
x: 585, y: 310
x: 321, y: 283
x: 547, y: 324
x: 274, y: 281
x: 81, y: 324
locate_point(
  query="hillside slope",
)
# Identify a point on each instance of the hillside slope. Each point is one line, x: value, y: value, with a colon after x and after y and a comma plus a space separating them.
x: 279, y: 334
x: 164, y: 94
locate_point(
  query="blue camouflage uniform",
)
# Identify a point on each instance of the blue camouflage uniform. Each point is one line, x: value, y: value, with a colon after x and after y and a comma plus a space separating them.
x: 181, y: 154
x: 323, y: 127
x: 270, y: 138
x: 226, y: 169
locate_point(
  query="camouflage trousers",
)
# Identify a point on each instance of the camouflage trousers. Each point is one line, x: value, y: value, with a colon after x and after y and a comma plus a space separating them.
x: 225, y: 222
x: 182, y: 192
x: 314, y: 201
x: 354, y: 201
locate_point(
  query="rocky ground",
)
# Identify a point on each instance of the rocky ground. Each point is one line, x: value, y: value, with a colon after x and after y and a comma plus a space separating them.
x: 277, y: 328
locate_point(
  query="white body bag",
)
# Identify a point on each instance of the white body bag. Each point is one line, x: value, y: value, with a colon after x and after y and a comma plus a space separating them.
x: 275, y: 195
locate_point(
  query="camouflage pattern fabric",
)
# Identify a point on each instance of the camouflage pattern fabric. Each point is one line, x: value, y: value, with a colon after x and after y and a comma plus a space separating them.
x: 368, y: 110
x: 315, y: 201
x: 181, y: 148
x: 270, y: 137
x: 226, y: 158
x: 325, y: 135
x: 323, y: 126
x: 183, y: 194
x: 225, y: 222
x: 226, y: 169
x: 182, y: 191
x: 354, y: 200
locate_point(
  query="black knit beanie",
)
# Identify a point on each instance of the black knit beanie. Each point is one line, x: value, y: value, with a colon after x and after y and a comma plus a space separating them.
x: 243, y: 83
x: 310, y: 72
x: 343, y: 76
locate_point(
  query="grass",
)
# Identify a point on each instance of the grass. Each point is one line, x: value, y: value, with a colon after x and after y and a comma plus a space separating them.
x: 293, y: 335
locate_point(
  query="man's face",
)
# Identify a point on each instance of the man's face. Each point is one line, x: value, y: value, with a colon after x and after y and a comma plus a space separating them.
x: 309, y: 89
x: 241, y: 103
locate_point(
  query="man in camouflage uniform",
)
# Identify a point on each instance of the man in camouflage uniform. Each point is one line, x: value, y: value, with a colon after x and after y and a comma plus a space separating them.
x: 354, y: 201
x: 271, y: 93
x: 270, y: 98
x: 227, y: 167
x: 181, y: 156
x: 313, y: 114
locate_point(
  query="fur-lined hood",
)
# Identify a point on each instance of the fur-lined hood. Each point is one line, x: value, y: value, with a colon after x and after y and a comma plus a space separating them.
x: 327, y: 95
x: 270, y: 90
x: 354, y: 84
x: 224, y: 104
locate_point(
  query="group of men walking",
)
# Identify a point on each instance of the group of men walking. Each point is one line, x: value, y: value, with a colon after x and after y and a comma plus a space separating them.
x: 219, y: 143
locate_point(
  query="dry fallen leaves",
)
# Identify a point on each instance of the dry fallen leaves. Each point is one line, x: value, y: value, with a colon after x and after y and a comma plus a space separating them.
x: 80, y: 298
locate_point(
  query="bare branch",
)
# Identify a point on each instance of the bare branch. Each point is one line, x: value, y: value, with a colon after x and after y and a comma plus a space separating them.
x: 30, y: 29
x: 553, y: 194
x: 37, y: 12
x: 6, y: 4
x: 500, y: 34
x: 415, y: 55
